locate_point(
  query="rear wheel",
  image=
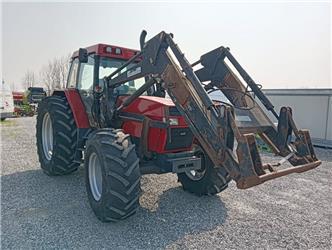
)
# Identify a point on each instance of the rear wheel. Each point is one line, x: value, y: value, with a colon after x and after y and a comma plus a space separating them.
x: 112, y: 175
x: 207, y: 180
x: 56, y: 136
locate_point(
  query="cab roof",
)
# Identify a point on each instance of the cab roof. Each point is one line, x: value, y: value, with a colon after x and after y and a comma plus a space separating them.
x: 108, y: 50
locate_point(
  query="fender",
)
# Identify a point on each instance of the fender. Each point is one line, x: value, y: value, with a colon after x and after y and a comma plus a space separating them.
x: 76, y: 105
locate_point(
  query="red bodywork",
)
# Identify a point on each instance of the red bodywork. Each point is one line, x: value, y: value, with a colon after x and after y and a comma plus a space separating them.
x: 18, y: 101
x: 154, y: 108
x: 110, y: 51
x: 18, y: 96
x: 77, y: 107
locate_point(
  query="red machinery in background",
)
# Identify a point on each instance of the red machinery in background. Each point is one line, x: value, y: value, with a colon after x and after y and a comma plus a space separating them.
x: 21, y: 105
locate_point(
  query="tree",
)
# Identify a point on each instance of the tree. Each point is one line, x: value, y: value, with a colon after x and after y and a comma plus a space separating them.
x: 54, y: 74
x: 64, y: 69
x: 46, y: 76
x: 29, y: 79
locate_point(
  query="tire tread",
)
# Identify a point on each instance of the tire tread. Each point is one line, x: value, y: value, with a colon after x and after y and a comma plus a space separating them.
x: 65, y: 136
x: 122, y: 174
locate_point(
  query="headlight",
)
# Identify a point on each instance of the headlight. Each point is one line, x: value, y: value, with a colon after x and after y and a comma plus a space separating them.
x: 173, y: 121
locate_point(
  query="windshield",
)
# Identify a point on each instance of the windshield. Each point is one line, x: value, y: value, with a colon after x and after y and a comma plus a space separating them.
x: 109, y: 65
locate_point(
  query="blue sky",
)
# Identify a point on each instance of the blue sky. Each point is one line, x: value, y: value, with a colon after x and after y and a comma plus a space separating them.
x: 282, y: 45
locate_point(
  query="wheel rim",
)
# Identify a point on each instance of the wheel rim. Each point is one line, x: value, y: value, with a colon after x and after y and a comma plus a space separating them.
x: 95, y: 176
x: 198, y: 174
x: 47, y: 136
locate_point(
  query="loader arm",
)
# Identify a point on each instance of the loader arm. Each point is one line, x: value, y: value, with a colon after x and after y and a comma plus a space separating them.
x: 163, y: 62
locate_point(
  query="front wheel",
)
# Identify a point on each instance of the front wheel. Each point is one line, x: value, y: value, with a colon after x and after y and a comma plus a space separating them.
x: 112, y: 175
x: 206, y: 181
x: 56, y: 134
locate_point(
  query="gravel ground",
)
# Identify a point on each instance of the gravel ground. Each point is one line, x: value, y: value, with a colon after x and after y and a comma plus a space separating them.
x: 38, y: 211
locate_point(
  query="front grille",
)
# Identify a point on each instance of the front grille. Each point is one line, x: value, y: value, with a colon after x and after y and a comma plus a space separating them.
x: 173, y: 111
x: 179, y: 138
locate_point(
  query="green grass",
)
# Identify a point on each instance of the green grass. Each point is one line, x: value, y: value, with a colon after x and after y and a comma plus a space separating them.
x: 7, y: 123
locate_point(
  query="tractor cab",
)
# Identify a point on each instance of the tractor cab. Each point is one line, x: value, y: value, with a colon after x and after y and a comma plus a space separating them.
x: 88, y: 71
x: 90, y: 66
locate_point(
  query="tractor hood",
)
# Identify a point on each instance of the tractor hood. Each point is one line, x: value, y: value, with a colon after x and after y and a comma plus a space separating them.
x: 160, y: 100
x: 151, y: 106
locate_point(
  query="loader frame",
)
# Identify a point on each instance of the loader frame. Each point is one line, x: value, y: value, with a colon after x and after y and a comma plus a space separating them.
x: 161, y: 62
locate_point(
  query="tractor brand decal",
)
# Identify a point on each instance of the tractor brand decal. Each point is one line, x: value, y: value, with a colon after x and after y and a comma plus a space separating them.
x: 134, y: 72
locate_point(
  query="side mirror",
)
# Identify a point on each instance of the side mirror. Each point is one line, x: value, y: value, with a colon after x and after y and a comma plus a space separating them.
x: 142, y: 38
x: 83, y: 55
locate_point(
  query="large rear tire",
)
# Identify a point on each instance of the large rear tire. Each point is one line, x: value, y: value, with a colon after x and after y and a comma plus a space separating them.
x: 56, y: 134
x: 112, y: 175
x: 206, y: 181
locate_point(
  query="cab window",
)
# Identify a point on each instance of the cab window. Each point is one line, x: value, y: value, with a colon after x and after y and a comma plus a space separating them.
x: 108, y: 66
x: 85, y: 78
x: 73, y: 74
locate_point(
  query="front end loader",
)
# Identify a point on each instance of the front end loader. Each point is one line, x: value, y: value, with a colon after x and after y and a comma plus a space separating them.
x: 150, y: 111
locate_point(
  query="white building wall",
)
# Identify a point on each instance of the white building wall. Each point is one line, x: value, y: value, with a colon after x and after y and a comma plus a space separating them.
x: 312, y: 109
x: 329, y: 121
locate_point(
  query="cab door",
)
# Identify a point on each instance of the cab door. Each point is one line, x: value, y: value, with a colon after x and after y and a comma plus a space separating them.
x: 85, y: 83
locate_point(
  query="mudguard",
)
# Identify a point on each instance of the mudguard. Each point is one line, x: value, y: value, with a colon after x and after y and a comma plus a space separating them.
x: 76, y: 105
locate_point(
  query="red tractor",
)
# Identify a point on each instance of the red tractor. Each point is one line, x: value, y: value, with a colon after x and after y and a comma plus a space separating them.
x: 21, y: 105
x: 126, y: 113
